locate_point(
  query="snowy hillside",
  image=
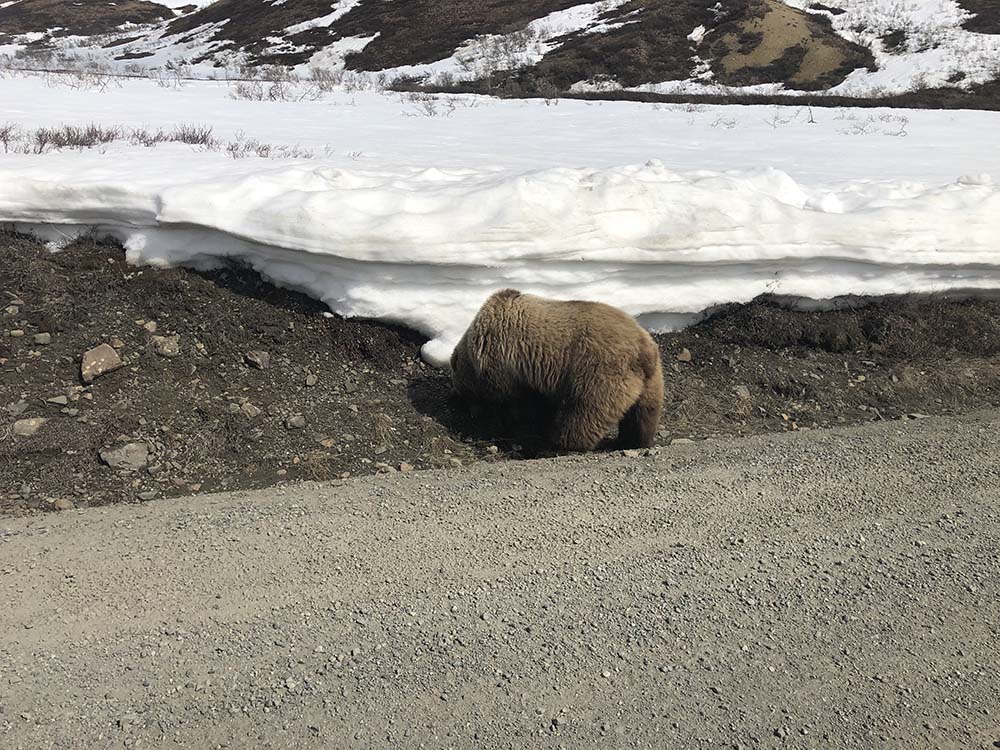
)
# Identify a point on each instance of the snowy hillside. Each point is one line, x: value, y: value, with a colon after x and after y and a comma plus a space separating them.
x: 412, y: 210
x: 866, y: 48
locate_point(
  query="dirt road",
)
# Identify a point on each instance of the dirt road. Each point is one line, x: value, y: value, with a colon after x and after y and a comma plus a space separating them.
x: 827, y: 589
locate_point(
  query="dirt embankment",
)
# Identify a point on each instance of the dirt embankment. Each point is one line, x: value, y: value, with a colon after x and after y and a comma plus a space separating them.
x: 226, y: 382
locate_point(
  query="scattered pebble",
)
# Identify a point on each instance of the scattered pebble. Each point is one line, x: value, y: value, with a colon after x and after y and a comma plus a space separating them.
x: 258, y: 359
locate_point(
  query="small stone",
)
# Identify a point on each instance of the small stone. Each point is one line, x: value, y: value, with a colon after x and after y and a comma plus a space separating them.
x: 328, y: 443
x: 682, y: 441
x: 684, y: 356
x: 28, y: 427
x: 167, y: 346
x: 17, y: 407
x: 492, y: 450
x: 311, y: 380
x: 251, y: 411
x: 128, y: 457
x: 57, y: 400
x: 63, y: 504
x: 259, y: 359
x: 99, y: 361
x: 630, y: 453
x: 43, y: 339
x: 742, y: 392
x: 917, y: 415
x: 384, y: 467
x: 148, y: 495
x: 16, y: 333
x: 296, y: 422
x: 150, y: 326
x: 405, y: 467
x: 455, y: 462
x: 350, y: 387
x: 117, y: 343
x: 11, y: 310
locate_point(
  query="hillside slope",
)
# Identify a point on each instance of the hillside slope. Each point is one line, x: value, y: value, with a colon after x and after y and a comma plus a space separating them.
x: 858, y: 48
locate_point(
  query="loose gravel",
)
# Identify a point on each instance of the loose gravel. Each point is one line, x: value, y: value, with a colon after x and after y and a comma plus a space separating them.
x: 825, y: 589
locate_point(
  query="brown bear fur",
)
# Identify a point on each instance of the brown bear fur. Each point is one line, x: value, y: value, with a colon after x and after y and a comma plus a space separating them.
x: 593, y: 362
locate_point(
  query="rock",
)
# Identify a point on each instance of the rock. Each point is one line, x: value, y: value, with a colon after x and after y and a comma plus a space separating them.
x: 681, y: 441
x: 18, y: 407
x: 11, y: 310
x: 117, y: 343
x: 742, y: 392
x: 251, y: 411
x: 917, y: 415
x: 350, y: 387
x: 684, y: 356
x: 99, y: 361
x: 456, y: 462
x: 167, y: 346
x: 148, y: 495
x: 128, y: 457
x: 630, y: 453
x: 311, y: 380
x: 16, y: 333
x: 63, y: 504
x: 259, y: 359
x: 28, y: 427
x: 57, y: 400
x: 492, y: 450
x: 150, y: 326
x: 405, y: 467
x: 43, y: 339
x: 296, y: 422
x: 328, y: 443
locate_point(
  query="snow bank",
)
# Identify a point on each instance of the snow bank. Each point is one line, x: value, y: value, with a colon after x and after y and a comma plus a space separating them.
x: 424, y: 247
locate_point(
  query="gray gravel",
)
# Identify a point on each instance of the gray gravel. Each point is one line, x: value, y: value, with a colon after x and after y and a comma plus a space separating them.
x: 833, y: 589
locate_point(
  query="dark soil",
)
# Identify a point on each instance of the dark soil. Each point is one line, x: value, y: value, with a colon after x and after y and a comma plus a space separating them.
x: 987, y: 18
x: 84, y: 18
x: 368, y: 401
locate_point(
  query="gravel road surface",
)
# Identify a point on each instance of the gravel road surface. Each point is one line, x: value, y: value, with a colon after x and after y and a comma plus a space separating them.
x: 824, y: 589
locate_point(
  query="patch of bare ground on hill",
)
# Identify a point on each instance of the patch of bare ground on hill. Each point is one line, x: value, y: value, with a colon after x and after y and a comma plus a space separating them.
x: 347, y: 397
x: 987, y: 15
x: 82, y: 18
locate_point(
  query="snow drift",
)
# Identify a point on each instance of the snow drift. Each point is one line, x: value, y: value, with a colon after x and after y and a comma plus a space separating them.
x: 424, y: 247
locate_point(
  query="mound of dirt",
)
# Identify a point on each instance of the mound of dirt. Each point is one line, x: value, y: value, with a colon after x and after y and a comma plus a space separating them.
x: 227, y: 382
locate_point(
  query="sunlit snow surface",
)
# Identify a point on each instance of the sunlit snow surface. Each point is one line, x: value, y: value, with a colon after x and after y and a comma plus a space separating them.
x: 415, y: 218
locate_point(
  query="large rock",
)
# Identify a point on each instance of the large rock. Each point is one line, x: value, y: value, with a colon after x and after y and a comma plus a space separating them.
x: 99, y: 361
x: 28, y: 427
x: 128, y: 457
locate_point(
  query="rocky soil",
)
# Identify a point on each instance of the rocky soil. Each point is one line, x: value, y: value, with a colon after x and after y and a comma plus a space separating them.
x: 832, y: 589
x: 128, y: 384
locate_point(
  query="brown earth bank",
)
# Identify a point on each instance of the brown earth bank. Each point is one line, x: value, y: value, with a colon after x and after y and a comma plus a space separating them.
x: 196, y: 407
x: 78, y: 18
x: 987, y: 15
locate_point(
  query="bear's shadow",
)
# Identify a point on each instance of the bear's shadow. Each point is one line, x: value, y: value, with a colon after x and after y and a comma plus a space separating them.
x: 519, y: 428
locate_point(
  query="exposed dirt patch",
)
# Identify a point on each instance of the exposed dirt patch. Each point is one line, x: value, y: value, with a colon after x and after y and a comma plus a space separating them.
x: 83, y: 18
x: 209, y: 419
x: 770, y: 42
x: 987, y: 18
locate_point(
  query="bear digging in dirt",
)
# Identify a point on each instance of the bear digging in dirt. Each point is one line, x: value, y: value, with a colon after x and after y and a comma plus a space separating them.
x: 592, y: 362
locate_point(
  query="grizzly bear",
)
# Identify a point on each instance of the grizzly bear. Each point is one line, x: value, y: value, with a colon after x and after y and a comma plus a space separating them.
x: 591, y: 362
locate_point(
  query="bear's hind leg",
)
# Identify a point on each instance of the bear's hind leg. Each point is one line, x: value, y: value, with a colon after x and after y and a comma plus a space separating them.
x: 583, y: 420
x: 641, y: 422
